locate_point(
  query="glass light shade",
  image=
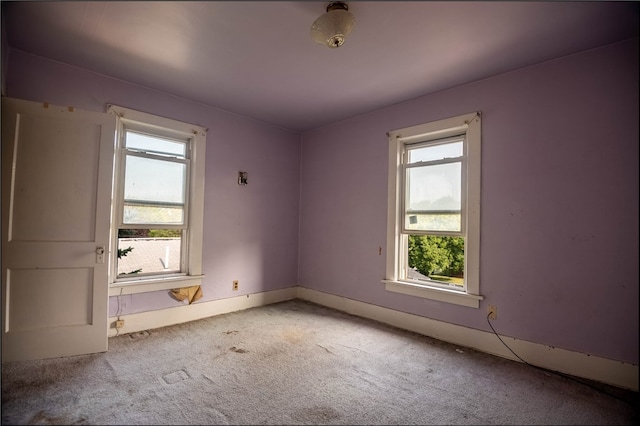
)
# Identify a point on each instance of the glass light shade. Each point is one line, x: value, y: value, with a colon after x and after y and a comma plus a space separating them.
x: 331, y: 28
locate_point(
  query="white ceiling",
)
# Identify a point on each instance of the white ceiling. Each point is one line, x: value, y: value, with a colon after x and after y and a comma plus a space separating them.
x: 257, y: 58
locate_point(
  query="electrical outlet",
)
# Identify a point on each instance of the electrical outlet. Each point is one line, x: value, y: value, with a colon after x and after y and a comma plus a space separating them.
x: 492, y: 311
x: 119, y: 323
x: 235, y: 285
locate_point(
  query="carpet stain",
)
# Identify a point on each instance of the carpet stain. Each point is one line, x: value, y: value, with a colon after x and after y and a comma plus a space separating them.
x: 175, y: 377
x: 317, y: 414
x: 42, y: 418
x: 293, y: 334
x: 238, y: 350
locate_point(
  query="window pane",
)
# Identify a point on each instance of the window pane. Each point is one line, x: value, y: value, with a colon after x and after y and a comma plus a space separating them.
x: 155, y: 145
x: 433, y: 197
x: 138, y: 214
x: 154, y: 191
x: 435, y: 152
x: 144, y: 251
x: 435, y: 258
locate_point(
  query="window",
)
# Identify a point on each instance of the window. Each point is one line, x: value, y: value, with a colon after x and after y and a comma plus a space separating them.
x: 157, y: 215
x: 433, y: 232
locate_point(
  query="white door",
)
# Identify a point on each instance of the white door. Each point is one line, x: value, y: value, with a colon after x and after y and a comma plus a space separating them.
x: 57, y: 167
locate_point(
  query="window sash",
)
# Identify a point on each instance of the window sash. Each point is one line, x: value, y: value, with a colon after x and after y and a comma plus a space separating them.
x: 183, y: 223
x: 407, y: 167
x: 435, y: 145
x: 150, y: 143
x: 127, y: 204
x: 456, y: 227
x: 441, y: 193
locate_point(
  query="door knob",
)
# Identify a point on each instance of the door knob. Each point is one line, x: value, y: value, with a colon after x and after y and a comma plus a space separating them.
x: 100, y: 254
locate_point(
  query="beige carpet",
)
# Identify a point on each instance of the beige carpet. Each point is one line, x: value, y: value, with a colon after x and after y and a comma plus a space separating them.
x: 297, y: 363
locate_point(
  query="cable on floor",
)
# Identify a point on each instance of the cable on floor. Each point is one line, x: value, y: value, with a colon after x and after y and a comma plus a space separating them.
x: 557, y: 373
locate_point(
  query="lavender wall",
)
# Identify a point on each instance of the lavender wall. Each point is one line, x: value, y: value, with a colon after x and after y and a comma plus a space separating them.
x: 559, y: 222
x: 250, y: 232
x: 559, y: 201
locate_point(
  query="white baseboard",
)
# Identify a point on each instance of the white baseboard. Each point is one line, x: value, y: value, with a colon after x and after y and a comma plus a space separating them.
x: 181, y: 314
x: 578, y: 364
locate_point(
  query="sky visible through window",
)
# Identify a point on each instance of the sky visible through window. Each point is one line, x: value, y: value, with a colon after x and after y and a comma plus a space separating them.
x: 151, y: 179
x: 435, y: 187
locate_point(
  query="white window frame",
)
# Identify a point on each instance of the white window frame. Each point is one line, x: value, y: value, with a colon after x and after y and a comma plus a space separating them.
x: 191, y: 274
x: 470, y: 126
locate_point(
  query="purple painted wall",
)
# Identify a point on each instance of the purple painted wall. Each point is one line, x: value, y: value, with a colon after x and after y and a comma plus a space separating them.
x: 559, y: 234
x: 559, y: 219
x: 250, y: 232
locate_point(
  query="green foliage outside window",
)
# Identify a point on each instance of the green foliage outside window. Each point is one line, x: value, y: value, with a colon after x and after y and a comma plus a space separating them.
x: 122, y: 253
x: 149, y: 233
x: 434, y: 255
x: 165, y: 233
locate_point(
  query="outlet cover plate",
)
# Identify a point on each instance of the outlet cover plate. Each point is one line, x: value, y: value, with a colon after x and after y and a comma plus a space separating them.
x: 492, y: 311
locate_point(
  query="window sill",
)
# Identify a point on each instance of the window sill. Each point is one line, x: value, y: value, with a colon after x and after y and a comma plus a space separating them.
x: 154, y: 284
x: 441, y: 295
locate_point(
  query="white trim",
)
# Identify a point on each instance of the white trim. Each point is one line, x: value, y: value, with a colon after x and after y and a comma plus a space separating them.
x: 156, y: 284
x: 194, y: 208
x: 199, y: 310
x: 196, y: 212
x: 393, y: 203
x: 470, y: 124
x: 604, y: 370
x: 163, y: 124
x: 439, y: 294
x: 578, y: 364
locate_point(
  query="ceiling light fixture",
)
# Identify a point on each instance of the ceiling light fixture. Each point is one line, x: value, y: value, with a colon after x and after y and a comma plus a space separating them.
x: 331, y: 28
